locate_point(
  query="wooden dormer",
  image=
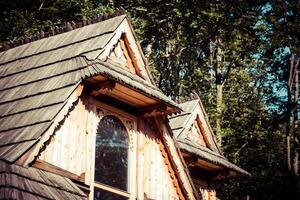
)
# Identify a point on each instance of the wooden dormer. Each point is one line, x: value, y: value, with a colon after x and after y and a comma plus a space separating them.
x: 198, y: 146
x: 198, y: 142
x: 88, y: 106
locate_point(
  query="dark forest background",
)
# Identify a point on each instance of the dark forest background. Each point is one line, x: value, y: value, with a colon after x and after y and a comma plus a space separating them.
x: 240, y: 57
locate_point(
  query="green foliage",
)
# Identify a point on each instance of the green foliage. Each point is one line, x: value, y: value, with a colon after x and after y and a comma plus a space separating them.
x: 26, y: 17
x: 180, y: 40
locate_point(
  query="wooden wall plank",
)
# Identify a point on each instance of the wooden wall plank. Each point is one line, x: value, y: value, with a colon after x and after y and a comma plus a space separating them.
x: 157, y: 181
x: 71, y: 147
x: 185, y: 186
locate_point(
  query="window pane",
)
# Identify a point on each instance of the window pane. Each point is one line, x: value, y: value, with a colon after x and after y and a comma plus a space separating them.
x: 105, y: 195
x: 111, y: 153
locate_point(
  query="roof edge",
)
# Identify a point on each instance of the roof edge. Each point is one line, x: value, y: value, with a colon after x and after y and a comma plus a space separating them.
x: 229, y: 165
x: 66, y: 27
x: 33, y: 152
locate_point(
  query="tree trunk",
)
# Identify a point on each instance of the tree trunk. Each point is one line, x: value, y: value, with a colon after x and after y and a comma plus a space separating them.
x: 219, y: 93
x: 219, y: 107
x: 288, y: 115
x: 296, y: 130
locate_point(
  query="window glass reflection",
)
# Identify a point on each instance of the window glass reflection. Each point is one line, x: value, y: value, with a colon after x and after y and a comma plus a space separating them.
x: 111, y: 153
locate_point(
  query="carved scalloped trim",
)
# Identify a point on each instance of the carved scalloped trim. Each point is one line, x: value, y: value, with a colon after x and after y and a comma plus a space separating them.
x: 31, y: 155
x: 128, y: 123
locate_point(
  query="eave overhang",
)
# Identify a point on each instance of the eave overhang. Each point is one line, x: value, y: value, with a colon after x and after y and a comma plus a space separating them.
x: 109, y: 81
x: 202, y: 157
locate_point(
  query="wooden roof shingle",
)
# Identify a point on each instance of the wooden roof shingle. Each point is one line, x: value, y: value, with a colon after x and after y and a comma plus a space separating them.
x: 17, y: 182
x: 210, y: 156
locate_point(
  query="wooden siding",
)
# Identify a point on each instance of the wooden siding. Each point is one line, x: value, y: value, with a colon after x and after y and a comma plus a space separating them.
x: 154, y: 177
x: 195, y: 134
x: 134, y: 58
x: 72, y: 146
x: 178, y: 161
x: 125, y: 56
x: 206, y: 191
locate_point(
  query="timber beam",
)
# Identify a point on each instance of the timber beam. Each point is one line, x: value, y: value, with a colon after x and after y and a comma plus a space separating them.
x: 43, y: 165
x: 102, y: 87
x: 153, y: 110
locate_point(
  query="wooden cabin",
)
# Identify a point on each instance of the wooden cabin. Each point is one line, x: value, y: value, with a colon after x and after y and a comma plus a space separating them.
x: 81, y: 118
x: 198, y: 146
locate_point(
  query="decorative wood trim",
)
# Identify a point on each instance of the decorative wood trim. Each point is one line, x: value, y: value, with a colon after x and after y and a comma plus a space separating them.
x: 130, y: 55
x: 33, y: 153
x: 201, y: 131
x: 172, y: 168
x: 43, y: 165
x: 109, y: 109
x: 154, y: 110
x: 142, y: 59
x: 181, y: 156
x: 101, y: 87
x: 212, y: 135
x: 130, y: 123
x: 127, y: 56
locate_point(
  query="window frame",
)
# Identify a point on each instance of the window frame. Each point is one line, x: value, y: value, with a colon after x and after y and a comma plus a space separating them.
x: 130, y: 123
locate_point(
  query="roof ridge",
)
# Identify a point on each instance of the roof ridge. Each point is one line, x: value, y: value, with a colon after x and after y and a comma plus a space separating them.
x: 192, y: 96
x: 65, y: 27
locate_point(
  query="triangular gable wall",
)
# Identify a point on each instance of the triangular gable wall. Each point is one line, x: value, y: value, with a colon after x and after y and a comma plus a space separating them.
x: 124, y: 47
x: 198, y: 129
x: 125, y: 56
x: 196, y: 134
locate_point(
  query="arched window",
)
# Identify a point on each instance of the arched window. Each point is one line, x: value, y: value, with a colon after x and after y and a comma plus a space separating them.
x: 111, y: 160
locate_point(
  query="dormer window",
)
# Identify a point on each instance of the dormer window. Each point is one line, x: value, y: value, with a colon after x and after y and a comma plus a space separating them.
x: 111, y: 160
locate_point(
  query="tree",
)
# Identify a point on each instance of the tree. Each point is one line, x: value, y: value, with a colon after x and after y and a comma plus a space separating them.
x: 282, y: 50
x: 234, y: 54
x: 27, y: 17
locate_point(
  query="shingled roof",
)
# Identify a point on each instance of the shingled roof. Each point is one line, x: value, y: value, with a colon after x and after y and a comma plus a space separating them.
x: 181, y: 125
x: 37, y: 78
x: 18, y: 182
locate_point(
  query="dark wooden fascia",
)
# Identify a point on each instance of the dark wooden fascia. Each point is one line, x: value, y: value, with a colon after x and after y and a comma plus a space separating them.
x: 101, y: 87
